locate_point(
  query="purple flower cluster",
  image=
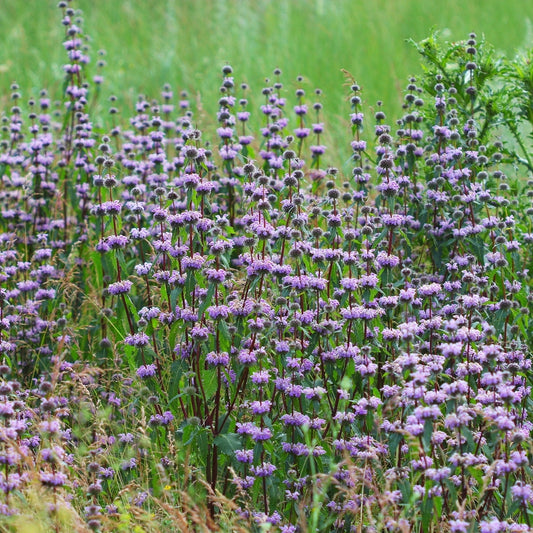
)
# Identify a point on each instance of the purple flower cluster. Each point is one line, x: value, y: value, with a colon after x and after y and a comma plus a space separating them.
x: 357, y: 336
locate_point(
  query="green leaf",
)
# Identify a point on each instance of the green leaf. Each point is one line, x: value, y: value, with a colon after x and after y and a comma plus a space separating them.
x: 209, y: 382
x: 224, y: 337
x: 426, y: 437
x: 207, y: 300
x: 427, y: 513
x: 119, y: 254
x: 174, y: 297
x: 164, y: 295
x: 407, y: 491
x: 499, y: 320
x: 97, y: 270
x: 129, y: 355
x: 312, y: 343
x: 176, y: 371
x: 394, y: 442
x: 174, y: 330
x: 190, y: 283
x: 228, y: 442
x: 131, y: 307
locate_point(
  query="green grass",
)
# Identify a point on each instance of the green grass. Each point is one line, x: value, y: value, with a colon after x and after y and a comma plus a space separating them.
x: 185, y: 42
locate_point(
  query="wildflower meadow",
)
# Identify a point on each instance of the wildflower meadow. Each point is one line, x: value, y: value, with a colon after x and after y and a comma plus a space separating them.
x: 212, y: 325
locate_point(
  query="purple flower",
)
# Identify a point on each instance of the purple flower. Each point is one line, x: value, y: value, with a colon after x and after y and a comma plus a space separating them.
x: 407, y: 295
x: 492, y: 526
x: 387, y: 260
x: 264, y: 470
x: 302, y: 133
x: 200, y: 333
x: 50, y: 426
x: 244, y: 456
x: 228, y: 152
x: 119, y: 287
x: 357, y: 118
x: 51, y: 479
x: 247, y: 357
x: 300, y: 109
x: 216, y: 275
x: 260, y: 377
x: 260, y: 267
x: 318, y: 149
x: 522, y: 492
x: 193, y: 263
x: 260, y: 435
x: 129, y: 464
x: 244, y: 483
x: 295, y: 419
x: 217, y: 312
x: 350, y: 284
x: 111, y: 208
x: 217, y: 359
x: 137, y: 339
x: 225, y: 133
x: 260, y: 407
x: 458, y: 526
x: 146, y: 371
x: 358, y: 146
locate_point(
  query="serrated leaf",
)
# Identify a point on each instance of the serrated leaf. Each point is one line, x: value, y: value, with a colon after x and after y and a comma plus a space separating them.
x: 227, y: 443
x: 131, y: 307
x: 224, y: 337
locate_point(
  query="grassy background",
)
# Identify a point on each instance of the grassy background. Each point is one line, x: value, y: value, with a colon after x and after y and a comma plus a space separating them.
x: 185, y: 42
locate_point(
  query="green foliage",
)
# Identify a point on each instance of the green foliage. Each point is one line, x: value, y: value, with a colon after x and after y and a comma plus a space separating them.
x: 185, y: 42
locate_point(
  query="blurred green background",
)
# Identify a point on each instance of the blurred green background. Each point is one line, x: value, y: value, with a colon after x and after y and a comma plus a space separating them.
x: 185, y: 42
